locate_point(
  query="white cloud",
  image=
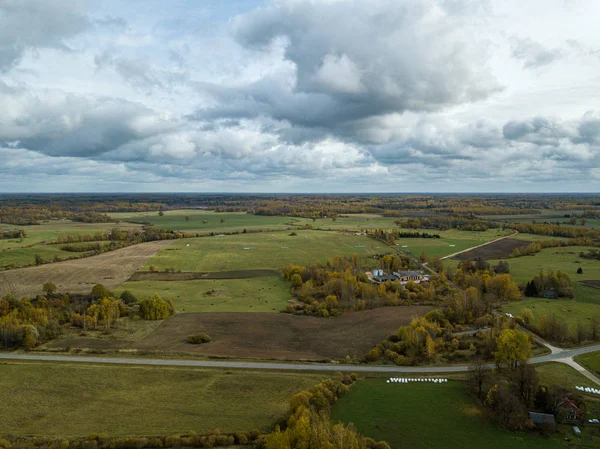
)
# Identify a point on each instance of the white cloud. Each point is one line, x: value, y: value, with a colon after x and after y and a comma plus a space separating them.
x: 386, y: 95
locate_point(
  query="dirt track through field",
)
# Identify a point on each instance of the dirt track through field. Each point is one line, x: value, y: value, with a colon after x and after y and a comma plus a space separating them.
x: 80, y: 275
x: 268, y: 335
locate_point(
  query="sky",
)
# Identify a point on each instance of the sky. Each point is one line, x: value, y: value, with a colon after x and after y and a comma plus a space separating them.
x: 299, y: 96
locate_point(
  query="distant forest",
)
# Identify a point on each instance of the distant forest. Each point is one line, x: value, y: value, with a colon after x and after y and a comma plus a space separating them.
x: 24, y: 209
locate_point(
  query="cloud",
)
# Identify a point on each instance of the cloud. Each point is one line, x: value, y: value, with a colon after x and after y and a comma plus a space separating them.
x: 533, y: 54
x: 338, y: 95
x: 350, y: 60
x: 60, y: 124
x: 33, y: 24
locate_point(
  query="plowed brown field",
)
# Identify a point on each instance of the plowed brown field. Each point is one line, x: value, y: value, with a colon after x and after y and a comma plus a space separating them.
x: 268, y: 335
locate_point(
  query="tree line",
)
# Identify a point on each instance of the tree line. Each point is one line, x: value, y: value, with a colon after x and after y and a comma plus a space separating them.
x: 29, y: 322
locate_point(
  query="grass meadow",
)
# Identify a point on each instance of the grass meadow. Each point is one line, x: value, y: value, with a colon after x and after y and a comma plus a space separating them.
x: 570, y: 311
x: 259, y: 294
x: 262, y: 250
x: 72, y: 400
x: 427, y: 416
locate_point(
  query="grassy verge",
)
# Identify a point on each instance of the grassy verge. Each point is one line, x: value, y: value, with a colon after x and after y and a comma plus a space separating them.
x: 68, y: 400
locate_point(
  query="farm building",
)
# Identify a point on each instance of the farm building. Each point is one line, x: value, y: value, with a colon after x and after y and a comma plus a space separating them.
x: 542, y: 419
x: 573, y: 412
x: 402, y: 276
x: 415, y: 276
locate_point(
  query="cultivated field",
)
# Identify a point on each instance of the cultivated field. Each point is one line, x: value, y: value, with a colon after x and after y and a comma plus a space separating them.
x: 451, y: 242
x: 257, y: 294
x: 496, y: 250
x: 262, y: 251
x: 405, y: 414
x: 269, y: 335
x: 79, y: 276
x: 71, y: 400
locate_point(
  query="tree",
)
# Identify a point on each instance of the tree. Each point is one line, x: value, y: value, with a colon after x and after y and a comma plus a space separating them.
x: 161, y: 213
x: 49, y: 288
x: 156, y: 308
x: 31, y: 337
x: 594, y: 324
x: 579, y: 270
x: 525, y: 381
x: 513, y: 348
x: 423, y: 257
x: 100, y: 291
x: 187, y: 218
x: 38, y: 259
x: 152, y: 268
x: 222, y: 220
x: 478, y: 374
x: 531, y: 289
x: 507, y: 407
x: 127, y: 297
x: 296, y: 280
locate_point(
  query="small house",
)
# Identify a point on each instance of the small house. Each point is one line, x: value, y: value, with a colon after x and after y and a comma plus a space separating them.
x: 573, y: 412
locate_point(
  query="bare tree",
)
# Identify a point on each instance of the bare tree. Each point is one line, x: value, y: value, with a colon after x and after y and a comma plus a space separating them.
x: 477, y: 375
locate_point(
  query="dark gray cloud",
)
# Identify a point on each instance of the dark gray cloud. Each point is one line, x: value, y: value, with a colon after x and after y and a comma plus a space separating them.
x: 533, y: 54
x: 33, y: 24
x: 59, y: 124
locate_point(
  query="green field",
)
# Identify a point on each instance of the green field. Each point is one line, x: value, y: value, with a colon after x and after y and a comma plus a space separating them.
x: 427, y: 416
x: 71, y: 400
x: 451, y: 242
x: 570, y: 311
x: 22, y: 252
x: 560, y: 374
x: 265, y: 250
x: 232, y: 221
x: 260, y: 294
x: 356, y: 222
x: 567, y: 260
x: 238, y: 221
x: 591, y: 361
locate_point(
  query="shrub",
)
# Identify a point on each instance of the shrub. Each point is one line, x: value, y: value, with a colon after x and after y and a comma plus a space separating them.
x: 198, y: 339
